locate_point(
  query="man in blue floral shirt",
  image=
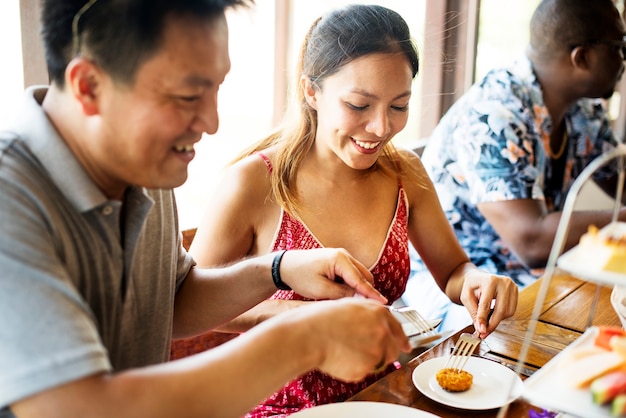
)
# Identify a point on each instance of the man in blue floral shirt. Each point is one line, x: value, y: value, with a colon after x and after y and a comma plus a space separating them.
x: 505, y: 155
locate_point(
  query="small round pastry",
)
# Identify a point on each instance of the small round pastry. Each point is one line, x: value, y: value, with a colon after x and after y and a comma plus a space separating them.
x: 454, y: 380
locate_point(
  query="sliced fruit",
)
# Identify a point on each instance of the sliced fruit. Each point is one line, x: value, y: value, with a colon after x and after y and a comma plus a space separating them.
x: 605, y: 388
x: 618, y: 406
x: 618, y: 344
x: 605, y: 333
x: 582, y: 371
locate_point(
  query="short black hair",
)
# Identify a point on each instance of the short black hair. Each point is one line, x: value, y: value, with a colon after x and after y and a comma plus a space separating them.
x: 560, y: 25
x: 119, y: 35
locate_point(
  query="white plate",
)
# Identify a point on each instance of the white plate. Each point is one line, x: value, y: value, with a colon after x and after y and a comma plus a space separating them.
x: 574, y: 262
x: 362, y: 410
x: 545, y: 387
x: 494, y: 385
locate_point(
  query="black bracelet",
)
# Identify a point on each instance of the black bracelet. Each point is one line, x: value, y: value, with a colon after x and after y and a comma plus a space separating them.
x: 276, y: 271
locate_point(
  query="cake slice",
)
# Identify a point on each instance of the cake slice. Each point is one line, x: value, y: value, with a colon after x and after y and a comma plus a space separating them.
x: 606, y: 247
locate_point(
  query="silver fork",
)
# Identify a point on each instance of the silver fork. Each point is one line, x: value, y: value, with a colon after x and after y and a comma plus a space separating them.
x: 464, y: 347
x: 462, y: 351
x: 415, y: 318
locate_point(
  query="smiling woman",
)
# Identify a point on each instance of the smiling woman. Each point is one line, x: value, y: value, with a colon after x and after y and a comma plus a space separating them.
x: 257, y: 41
x: 331, y: 177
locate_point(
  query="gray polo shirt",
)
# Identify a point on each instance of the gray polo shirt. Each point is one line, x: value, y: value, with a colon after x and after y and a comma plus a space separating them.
x: 78, y: 296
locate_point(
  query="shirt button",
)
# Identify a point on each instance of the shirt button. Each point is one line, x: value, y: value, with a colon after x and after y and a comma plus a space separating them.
x: 107, y: 210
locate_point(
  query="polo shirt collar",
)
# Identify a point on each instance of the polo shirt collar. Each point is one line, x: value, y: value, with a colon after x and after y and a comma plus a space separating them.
x: 40, y: 135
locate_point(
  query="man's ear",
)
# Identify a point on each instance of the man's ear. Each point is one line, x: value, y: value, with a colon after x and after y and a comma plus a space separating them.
x: 309, y: 91
x: 82, y: 78
x: 579, y: 57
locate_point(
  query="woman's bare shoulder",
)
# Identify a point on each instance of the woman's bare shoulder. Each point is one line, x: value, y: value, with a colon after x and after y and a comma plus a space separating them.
x: 409, y: 156
x: 247, y: 178
x: 415, y: 179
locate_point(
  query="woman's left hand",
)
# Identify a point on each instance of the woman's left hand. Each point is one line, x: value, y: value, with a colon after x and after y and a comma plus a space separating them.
x: 489, y: 298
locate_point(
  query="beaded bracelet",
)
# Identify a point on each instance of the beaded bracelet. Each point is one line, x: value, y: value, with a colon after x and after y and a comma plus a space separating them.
x: 278, y: 282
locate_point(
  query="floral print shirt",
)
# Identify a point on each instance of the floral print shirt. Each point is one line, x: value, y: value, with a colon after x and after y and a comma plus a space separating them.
x: 491, y: 146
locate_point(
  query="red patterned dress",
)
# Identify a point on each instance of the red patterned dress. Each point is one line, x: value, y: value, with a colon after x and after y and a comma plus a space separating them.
x: 391, y: 273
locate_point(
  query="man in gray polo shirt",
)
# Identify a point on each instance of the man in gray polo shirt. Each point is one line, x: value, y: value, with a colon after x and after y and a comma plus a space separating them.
x: 94, y: 281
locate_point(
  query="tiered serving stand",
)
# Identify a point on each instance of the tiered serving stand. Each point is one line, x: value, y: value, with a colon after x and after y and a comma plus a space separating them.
x: 544, y: 388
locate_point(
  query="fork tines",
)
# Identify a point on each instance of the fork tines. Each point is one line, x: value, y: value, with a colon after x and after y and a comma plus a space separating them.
x: 415, y: 318
x: 463, y: 349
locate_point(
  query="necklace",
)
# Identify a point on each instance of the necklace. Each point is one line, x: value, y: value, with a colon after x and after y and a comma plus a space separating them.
x: 561, y: 150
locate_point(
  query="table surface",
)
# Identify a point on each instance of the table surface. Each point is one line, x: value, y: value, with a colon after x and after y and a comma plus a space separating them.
x: 565, y: 314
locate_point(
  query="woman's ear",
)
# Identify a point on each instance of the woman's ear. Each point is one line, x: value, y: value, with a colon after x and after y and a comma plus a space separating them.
x: 309, y: 91
x: 82, y: 78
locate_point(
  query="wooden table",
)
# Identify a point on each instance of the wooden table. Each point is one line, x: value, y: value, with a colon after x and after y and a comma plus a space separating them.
x: 564, y: 317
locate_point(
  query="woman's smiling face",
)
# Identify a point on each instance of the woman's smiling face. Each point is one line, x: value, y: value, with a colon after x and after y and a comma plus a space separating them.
x: 361, y: 107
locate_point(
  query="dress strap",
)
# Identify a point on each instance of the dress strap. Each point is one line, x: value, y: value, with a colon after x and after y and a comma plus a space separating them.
x: 267, y: 161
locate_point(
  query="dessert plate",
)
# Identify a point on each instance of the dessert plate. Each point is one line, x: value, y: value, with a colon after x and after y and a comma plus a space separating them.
x: 362, y: 410
x: 494, y: 384
x: 547, y: 389
x: 575, y: 262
